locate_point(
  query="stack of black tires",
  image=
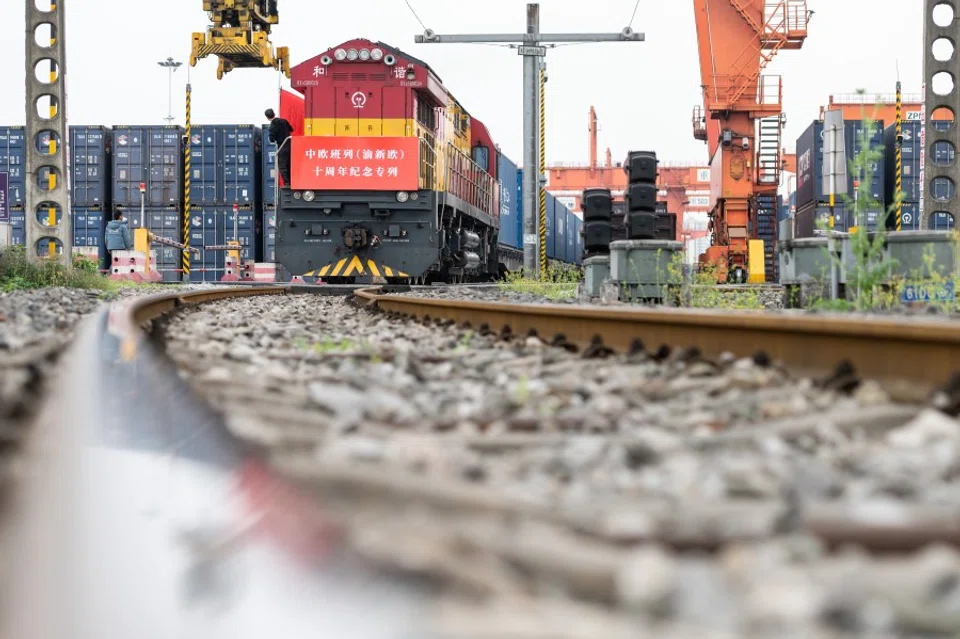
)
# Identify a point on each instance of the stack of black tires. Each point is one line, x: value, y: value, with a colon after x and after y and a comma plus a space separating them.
x: 597, y: 214
x: 641, y: 196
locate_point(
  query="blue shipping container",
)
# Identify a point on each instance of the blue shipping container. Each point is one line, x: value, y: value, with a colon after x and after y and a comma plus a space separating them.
x: 13, y: 162
x: 551, y: 226
x: 910, y: 161
x: 559, y: 230
x: 88, y: 228
x: 89, y: 165
x: 810, y: 161
x: 224, y: 164
x: 942, y: 221
x: 151, y: 155
x: 509, y: 203
x: 578, y: 237
x: 570, y: 255
x: 268, y: 167
x: 215, y: 226
x: 910, y: 219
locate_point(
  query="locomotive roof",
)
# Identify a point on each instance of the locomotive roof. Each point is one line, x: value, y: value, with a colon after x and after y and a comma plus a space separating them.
x: 403, y: 54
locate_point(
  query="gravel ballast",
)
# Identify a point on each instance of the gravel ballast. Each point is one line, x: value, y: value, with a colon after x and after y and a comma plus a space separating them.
x: 524, y: 477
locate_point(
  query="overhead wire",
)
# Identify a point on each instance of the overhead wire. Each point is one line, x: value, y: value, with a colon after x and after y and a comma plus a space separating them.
x: 633, y: 16
x: 414, y: 12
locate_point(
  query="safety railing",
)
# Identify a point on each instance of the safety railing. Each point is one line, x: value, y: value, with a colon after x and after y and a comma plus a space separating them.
x: 786, y: 17
x: 770, y: 90
x: 873, y: 98
x: 467, y: 181
x: 428, y: 161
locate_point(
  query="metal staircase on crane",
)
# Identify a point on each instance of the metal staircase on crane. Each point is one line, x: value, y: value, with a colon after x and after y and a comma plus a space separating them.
x: 768, y: 151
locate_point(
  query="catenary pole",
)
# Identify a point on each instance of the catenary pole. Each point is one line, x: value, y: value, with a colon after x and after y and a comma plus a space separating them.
x: 530, y: 46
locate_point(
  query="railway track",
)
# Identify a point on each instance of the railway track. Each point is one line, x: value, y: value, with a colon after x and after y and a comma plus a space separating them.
x: 557, y: 471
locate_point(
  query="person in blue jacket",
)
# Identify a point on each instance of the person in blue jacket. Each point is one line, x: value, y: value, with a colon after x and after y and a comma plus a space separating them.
x: 118, y: 234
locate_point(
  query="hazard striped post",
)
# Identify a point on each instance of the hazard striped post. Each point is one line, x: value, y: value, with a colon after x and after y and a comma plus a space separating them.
x: 899, y: 161
x: 542, y: 172
x: 185, y: 265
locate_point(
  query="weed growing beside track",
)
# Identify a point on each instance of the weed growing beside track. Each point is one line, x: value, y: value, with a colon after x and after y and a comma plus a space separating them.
x: 558, y: 283
x: 17, y: 273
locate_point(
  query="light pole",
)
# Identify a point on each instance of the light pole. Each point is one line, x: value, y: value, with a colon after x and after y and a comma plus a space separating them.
x: 172, y: 66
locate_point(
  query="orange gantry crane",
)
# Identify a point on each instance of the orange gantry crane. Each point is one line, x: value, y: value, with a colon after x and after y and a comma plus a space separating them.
x: 741, y: 119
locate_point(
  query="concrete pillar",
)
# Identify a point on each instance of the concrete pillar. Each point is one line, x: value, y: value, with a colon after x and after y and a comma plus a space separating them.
x: 938, y: 176
x: 46, y: 207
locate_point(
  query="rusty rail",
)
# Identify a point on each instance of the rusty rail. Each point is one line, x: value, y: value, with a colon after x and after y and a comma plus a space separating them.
x: 913, y: 356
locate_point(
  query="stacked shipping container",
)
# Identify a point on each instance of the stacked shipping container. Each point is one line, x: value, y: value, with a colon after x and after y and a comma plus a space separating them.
x: 224, y: 189
x: 13, y: 164
x: 812, y: 203
x: 89, y: 188
x: 942, y: 153
x: 152, y: 156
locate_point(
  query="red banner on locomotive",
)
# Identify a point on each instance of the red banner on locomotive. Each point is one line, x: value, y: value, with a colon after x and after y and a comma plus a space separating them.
x: 355, y: 163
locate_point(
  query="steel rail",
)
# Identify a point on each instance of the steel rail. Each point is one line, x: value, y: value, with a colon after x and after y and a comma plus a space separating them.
x: 139, y: 514
x: 917, y: 355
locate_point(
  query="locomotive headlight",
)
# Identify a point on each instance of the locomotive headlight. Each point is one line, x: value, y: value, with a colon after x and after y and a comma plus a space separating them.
x: 414, y: 195
x: 352, y: 54
x: 308, y: 196
x: 402, y: 196
x: 297, y: 195
x: 364, y: 54
x: 376, y: 54
x: 340, y: 54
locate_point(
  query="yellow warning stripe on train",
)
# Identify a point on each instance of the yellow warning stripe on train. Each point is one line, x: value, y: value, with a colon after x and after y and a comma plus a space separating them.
x: 355, y: 266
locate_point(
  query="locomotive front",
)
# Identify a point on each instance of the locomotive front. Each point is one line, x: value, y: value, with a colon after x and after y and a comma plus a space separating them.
x: 366, y: 184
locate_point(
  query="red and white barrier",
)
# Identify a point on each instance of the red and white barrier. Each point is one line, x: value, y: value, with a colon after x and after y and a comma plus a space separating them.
x: 231, y: 269
x: 132, y: 265
x: 265, y: 272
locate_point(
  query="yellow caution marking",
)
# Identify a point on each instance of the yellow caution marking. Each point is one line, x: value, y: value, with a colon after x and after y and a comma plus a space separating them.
x: 52, y: 180
x: 355, y: 264
x: 53, y: 147
x: 51, y: 216
x: 336, y: 269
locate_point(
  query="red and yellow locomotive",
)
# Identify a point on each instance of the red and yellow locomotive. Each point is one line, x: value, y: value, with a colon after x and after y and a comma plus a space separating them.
x: 391, y: 178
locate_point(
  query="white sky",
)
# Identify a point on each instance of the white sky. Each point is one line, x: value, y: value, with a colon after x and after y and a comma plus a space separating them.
x: 644, y: 92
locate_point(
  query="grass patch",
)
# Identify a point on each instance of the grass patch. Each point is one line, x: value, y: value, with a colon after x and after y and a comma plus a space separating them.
x: 698, y: 288
x: 559, y: 282
x: 17, y: 273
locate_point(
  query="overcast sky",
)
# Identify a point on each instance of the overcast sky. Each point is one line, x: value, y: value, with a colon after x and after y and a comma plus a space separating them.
x: 644, y: 92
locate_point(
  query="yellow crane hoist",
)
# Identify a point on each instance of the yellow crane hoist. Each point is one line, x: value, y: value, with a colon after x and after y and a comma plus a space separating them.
x: 240, y: 36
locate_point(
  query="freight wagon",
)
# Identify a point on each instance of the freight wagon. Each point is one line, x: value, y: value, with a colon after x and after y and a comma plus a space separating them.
x: 564, y: 243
